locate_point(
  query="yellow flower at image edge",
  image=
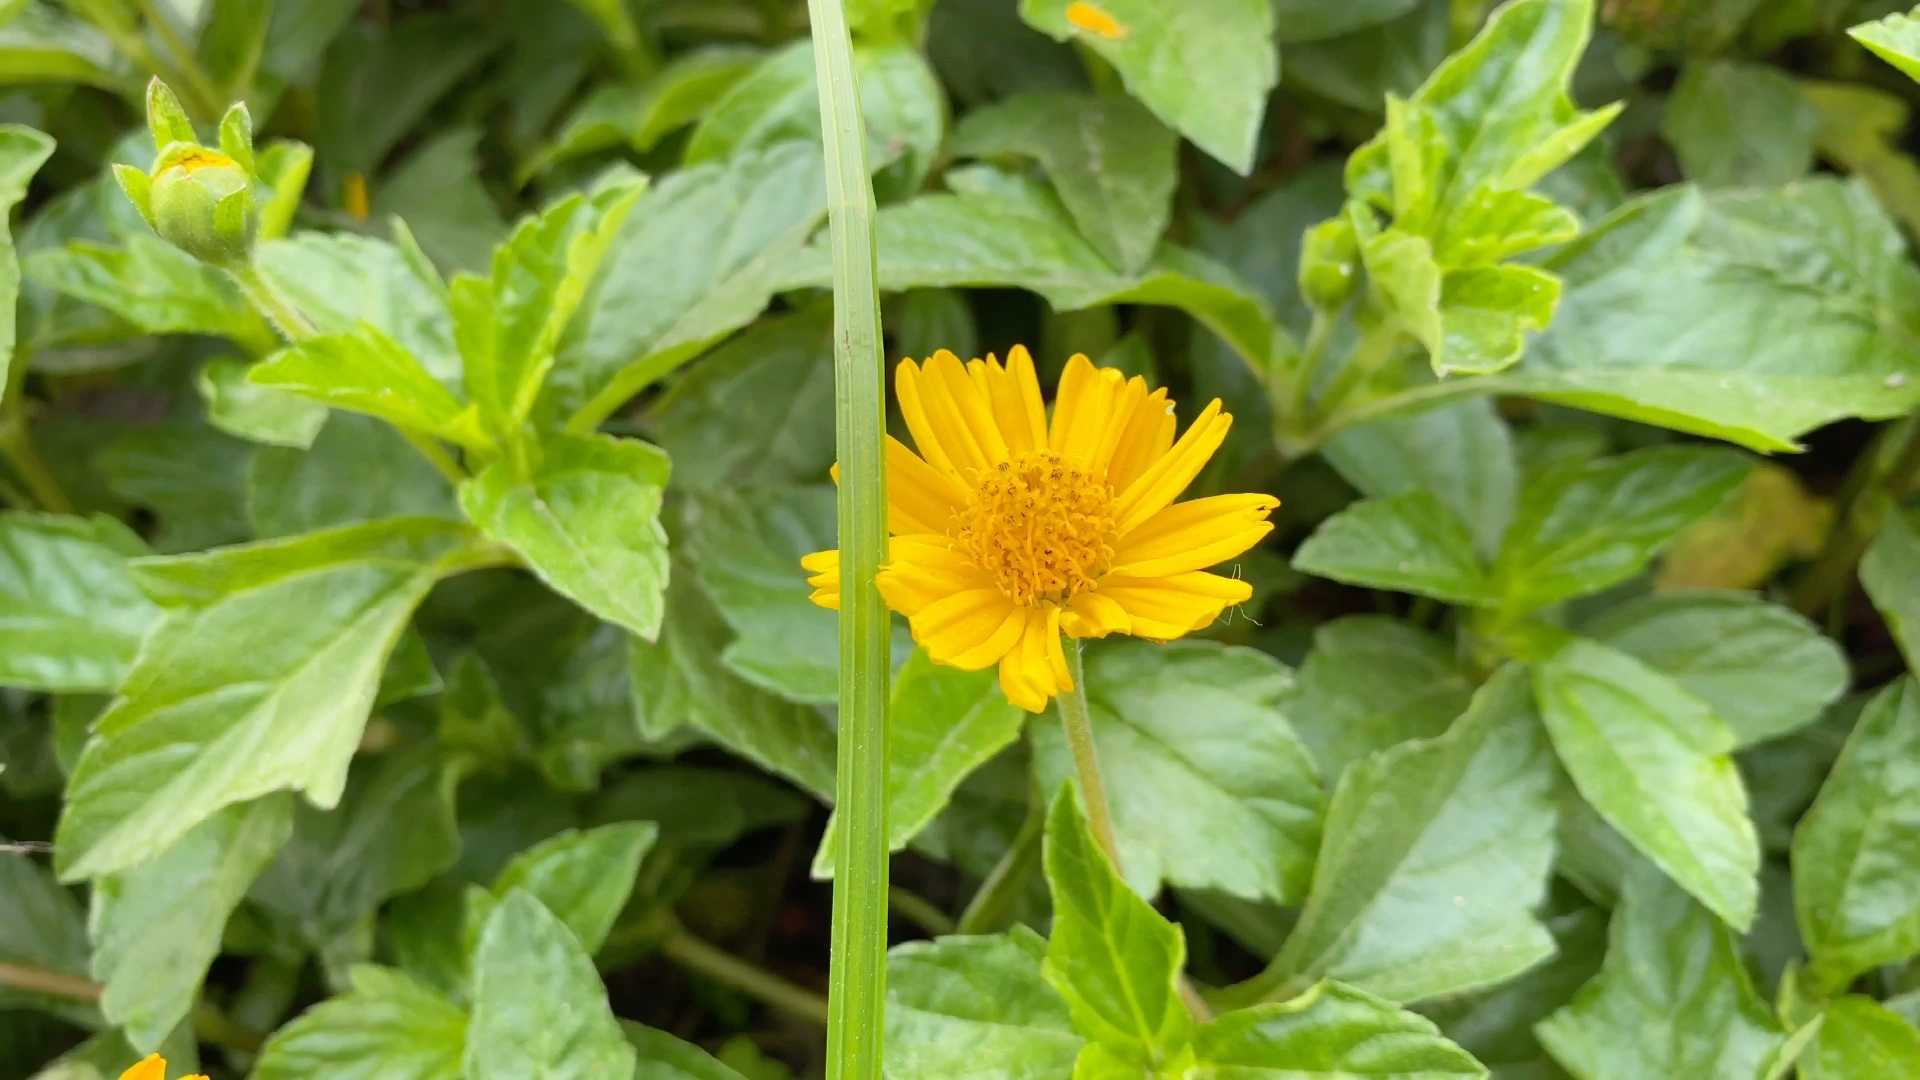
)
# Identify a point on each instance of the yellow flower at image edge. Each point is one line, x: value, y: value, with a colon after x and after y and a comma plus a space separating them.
x: 153, y: 1068
x: 1009, y: 530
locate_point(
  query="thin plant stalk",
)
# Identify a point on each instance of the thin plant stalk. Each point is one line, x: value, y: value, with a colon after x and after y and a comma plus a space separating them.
x: 857, y: 987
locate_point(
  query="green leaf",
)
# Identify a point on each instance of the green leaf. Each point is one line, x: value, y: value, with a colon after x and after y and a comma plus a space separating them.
x: 439, y: 196
x: 1461, y: 453
x: 191, y: 476
x: 681, y: 682
x: 22, y: 152
x: 358, y: 469
x: 1672, y: 999
x: 1110, y: 160
x: 155, y: 928
x: 44, y: 43
x: 1436, y: 852
x: 380, y: 79
x: 1653, y: 760
x: 1408, y: 542
x: 1209, y: 785
x: 253, y: 412
x: 1006, y: 231
x: 539, y: 1008
x: 340, y: 280
x: 901, y: 100
x: 1859, y: 1039
x: 1585, y: 526
x: 1747, y: 316
x: 154, y: 286
x: 1762, y: 668
x: 638, y: 115
x: 663, y: 1057
x: 1486, y: 314
x: 1330, y: 1032
x: 976, y: 1008
x: 342, y: 864
x: 1890, y: 571
x: 1112, y: 957
x: 1497, y: 1025
x: 365, y: 371
x: 583, y: 878
x: 259, y: 677
x: 698, y: 258
x: 752, y: 412
x: 943, y: 724
x: 1895, y: 39
x: 74, y: 617
x: 43, y: 929
x: 1206, y: 67
x: 1735, y: 124
x: 388, y: 1027
x: 1309, y: 20
x: 1856, y: 877
x: 508, y: 325
x: 587, y: 522
x: 1372, y: 682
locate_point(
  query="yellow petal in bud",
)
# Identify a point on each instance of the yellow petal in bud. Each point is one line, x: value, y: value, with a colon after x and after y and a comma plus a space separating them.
x: 1095, y: 20
x: 355, y: 196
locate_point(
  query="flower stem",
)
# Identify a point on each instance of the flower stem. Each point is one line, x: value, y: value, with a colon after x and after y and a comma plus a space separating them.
x: 209, y: 1023
x: 1086, y: 756
x: 857, y: 988
x: 991, y: 907
x: 16, y: 446
x: 723, y: 967
x: 920, y: 911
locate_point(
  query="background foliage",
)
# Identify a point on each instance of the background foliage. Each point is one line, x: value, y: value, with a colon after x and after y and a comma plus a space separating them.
x: 414, y: 677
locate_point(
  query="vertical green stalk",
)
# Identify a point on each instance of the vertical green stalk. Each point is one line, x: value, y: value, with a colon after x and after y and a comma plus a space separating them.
x: 857, y: 988
x: 1086, y: 757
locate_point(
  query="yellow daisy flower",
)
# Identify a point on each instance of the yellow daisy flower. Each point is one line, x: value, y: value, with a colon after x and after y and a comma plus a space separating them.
x: 1009, y: 530
x: 153, y: 1068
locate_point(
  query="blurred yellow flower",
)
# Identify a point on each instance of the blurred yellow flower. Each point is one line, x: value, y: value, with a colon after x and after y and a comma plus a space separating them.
x: 1008, y: 530
x: 153, y: 1068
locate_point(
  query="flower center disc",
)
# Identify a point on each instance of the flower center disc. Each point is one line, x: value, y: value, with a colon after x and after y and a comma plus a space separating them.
x: 1041, y: 527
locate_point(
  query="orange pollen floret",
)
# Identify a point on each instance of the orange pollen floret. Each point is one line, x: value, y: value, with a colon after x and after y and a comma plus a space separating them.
x: 1041, y: 527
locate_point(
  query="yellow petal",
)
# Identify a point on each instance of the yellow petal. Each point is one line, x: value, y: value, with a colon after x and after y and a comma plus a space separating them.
x: 946, y: 377
x: 1082, y: 410
x: 1194, y: 535
x: 152, y: 1068
x: 824, y: 566
x: 989, y: 652
x: 1148, y: 435
x: 920, y: 498
x: 1027, y: 672
x: 923, y: 569
x: 1127, y: 399
x: 961, y: 625
x: 931, y: 430
x: 1091, y: 615
x: 1164, y: 608
x: 1165, y: 479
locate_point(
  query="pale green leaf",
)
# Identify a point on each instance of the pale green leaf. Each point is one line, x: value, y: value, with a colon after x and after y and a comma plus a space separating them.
x: 1372, y: 682
x: 1486, y: 314
x: 1110, y: 160
x: 539, y: 1009
x: 1653, y: 760
x: 1673, y: 998
x: 587, y: 522
x: 1859, y: 1039
x: 45, y: 43
x: 1408, y: 542
x: 583, y: 878
x: 1856, y: 853
x: 1435, y: 854
x: 340, y: 280
x: 365, y: 371
x: 71, y: 617
x: 387, y: 1027
x: 1735, y: 124
x: 1895, y: 39
x: 154, y: 286
x: 254, y: 412
x: 1762, y: 668
x: 259, y: 677
x: 1461, y: 453
x: 1330, y: 1032
x: 1112, y: 957
x: 22, y: 152
x: 1205, y: 66
x: 976, y: 1008
x: 1210, y: 787
x: 155, y: 928
x: 663, y: 1057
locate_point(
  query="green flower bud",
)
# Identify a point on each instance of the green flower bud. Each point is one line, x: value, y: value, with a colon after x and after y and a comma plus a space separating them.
x: 1328, y: 258
x: 201, y: 201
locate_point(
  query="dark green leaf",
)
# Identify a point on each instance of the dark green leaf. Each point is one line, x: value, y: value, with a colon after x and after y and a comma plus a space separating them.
x: 1112, y: 957
x: 1763, y: 669
x: 1409, y: 542
x: 22, y: 152
x: 1310, y: 20
x: 1497, y: 1026
x: 193, y: 478
x: 1735, y: 124
x: 1206, y: 67
x: 381, y: 78
x: 587, y: 522
x: 1460, y: 453
x: 44, y: 929
x: 1210, y: 787
x: 1372, y: 682
x: 1673, y: 999
x: 1330, y: 1032
x: 1436, y: 852
x: 1110, y: 160
x: 259, y: 677
x: 583, y: 878
x: 640, y: 114
x: 74, y: 617
x: 1890, y: 571
x: 388, y: 1027
x: 1653, y: 760
x: 1856, y: 875
x: 539, y: 1008
x: 155, y: 928
x: 154, y: 286
x: 663, y: 1057
x: 437, y: 192
x: 359, y: 469
x: 976, y: 1008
